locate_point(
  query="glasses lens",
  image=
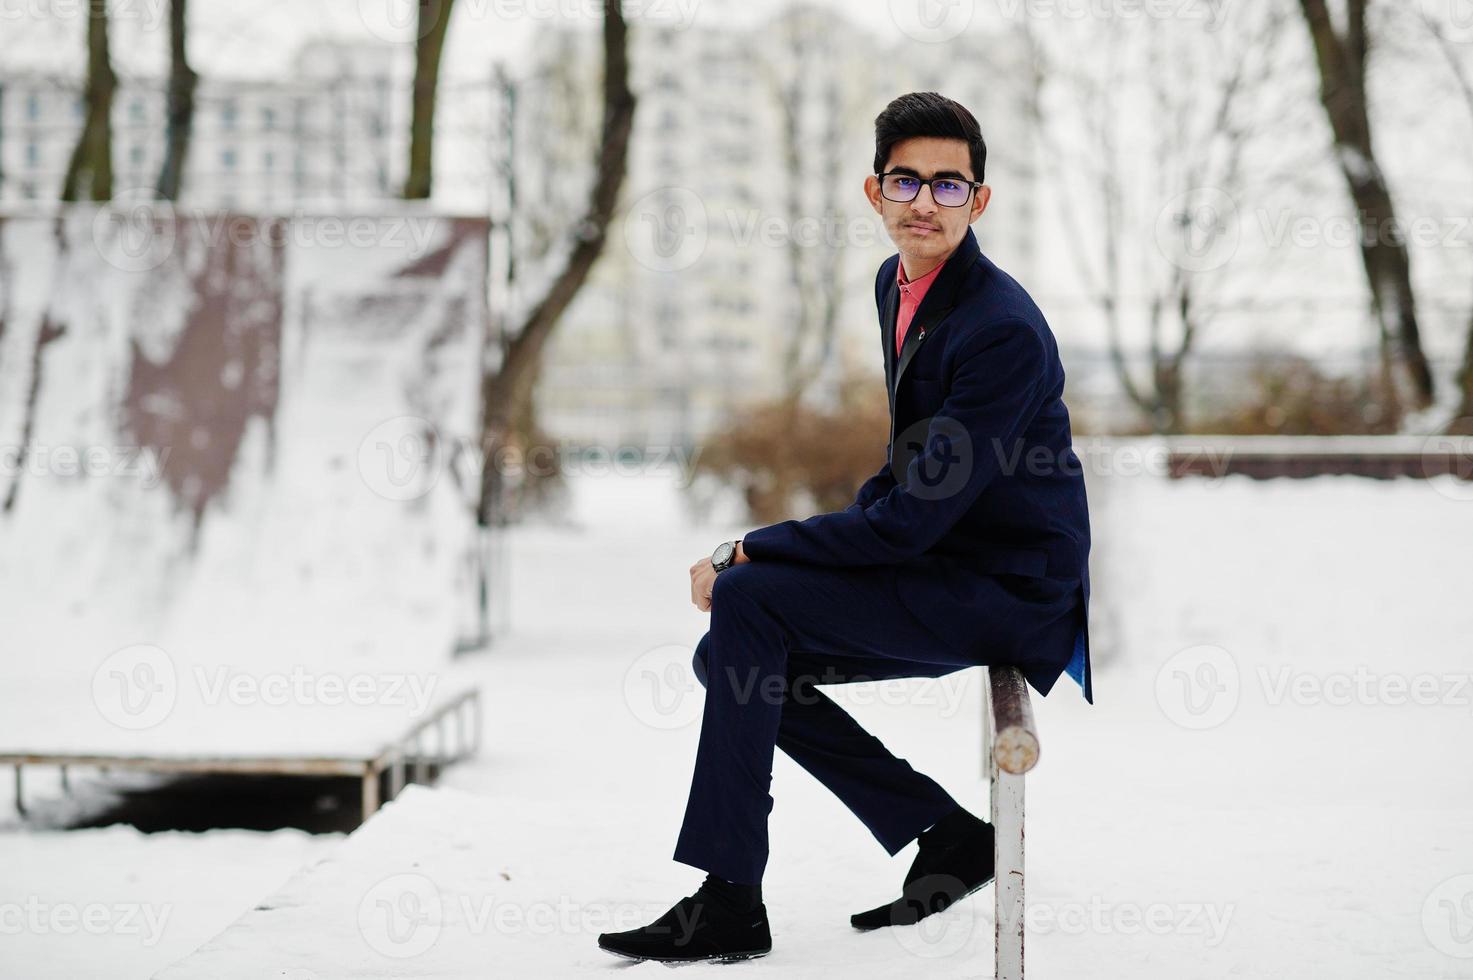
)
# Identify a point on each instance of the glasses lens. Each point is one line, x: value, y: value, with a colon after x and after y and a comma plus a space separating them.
x: 950, y: 193
x: 899, y: 187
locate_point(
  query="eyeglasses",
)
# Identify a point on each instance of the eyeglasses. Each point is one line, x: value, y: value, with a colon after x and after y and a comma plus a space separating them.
x: 949, y: 192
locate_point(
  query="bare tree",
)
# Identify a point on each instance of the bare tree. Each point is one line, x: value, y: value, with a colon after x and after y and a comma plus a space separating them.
x: 1462, y: 420
x: 182, y: 83
x: 805, y: 62
x: 89, y: 174
x: 1342, y: 60
x: 429, y: 46
x: 1202, y: 129
x: 506, y: 391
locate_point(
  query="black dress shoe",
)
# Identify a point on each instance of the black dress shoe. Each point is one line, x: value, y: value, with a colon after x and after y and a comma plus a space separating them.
x: 955, y: 859
x: 704, y: 926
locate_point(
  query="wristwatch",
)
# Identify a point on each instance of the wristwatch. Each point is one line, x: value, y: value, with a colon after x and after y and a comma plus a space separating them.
x: 723, y: 556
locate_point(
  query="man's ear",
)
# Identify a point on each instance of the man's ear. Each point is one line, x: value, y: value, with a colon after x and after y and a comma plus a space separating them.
x: 872, y: 191
x: 979, y: 202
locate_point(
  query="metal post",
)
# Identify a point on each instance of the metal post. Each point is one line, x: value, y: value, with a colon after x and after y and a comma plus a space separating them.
x: 420, y: 775
x: 370, y: 790
x: 396, y: 773
x: 1007, y: 819
x: 20, y: 801
x: 442, y: 751
x: 1014, y: 751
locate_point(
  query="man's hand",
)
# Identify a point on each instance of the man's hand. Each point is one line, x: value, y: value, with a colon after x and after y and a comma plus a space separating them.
x: 703, y: 577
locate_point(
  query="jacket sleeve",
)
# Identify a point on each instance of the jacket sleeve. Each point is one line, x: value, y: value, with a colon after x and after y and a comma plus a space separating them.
x: 876, y: 486
x: 997, y: 388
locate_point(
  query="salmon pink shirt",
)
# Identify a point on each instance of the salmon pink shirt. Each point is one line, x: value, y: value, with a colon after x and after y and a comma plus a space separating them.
x: 911, y: 294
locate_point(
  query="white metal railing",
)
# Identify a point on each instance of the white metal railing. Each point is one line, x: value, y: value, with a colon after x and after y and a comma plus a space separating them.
x: 1009, y: 750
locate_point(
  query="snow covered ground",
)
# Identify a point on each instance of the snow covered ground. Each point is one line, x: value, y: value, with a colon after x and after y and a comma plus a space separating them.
x: 1272, y: 783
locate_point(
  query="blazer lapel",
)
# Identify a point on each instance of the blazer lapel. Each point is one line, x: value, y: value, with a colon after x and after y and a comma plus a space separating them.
x: 939, y: 300
x: 887, y: 332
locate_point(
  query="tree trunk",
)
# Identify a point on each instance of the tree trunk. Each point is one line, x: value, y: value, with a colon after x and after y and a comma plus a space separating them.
x: 1462, y: 420
x: 429, y: 45
x: 89, y: 174
x: 182, y: 83
x: 510, y: 385
x: 1342, y: 67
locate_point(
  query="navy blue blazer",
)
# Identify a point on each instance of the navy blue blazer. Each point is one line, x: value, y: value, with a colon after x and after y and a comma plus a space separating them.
x: 981, y: 500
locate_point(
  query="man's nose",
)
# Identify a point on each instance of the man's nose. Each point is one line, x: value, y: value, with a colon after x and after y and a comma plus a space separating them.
x: 924, y: 204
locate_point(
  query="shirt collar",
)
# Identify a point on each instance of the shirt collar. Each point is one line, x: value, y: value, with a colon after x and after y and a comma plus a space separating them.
x: 924, y: 281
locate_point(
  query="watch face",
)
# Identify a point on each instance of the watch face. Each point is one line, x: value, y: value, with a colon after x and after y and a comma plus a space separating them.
x: 723, y: 553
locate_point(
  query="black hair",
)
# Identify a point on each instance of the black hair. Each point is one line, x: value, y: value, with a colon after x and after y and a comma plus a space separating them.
x: 928, y: 114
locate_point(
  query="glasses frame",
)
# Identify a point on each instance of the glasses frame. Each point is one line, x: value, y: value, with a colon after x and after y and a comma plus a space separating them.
x: 972, y: 186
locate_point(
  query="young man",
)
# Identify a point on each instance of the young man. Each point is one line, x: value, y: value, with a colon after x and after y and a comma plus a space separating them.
x: 969, y: 546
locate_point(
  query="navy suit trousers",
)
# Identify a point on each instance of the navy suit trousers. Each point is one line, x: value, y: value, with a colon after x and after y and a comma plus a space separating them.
x: 778, y: 628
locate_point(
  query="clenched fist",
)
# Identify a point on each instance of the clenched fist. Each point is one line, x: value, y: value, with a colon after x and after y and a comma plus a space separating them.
x: 703, y: 576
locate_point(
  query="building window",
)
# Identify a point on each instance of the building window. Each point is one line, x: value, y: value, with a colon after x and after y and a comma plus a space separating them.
x: 33, y: 107
x: 268, y: 161
x: 268, y: 118
x: 135, y: 111
x: 227, y: 114
x: 33, y: 154
x: 136, y: 155
x: 227, y: 159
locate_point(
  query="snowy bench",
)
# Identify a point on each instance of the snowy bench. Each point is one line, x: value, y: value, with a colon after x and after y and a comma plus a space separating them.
x: 376, y: 746
x: 1009, y: 750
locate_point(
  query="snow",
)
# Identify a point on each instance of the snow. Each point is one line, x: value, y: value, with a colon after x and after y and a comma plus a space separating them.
x: 1311, y: 819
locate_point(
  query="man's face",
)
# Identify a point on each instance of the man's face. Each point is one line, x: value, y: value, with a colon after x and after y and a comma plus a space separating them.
x: 922, y: 229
